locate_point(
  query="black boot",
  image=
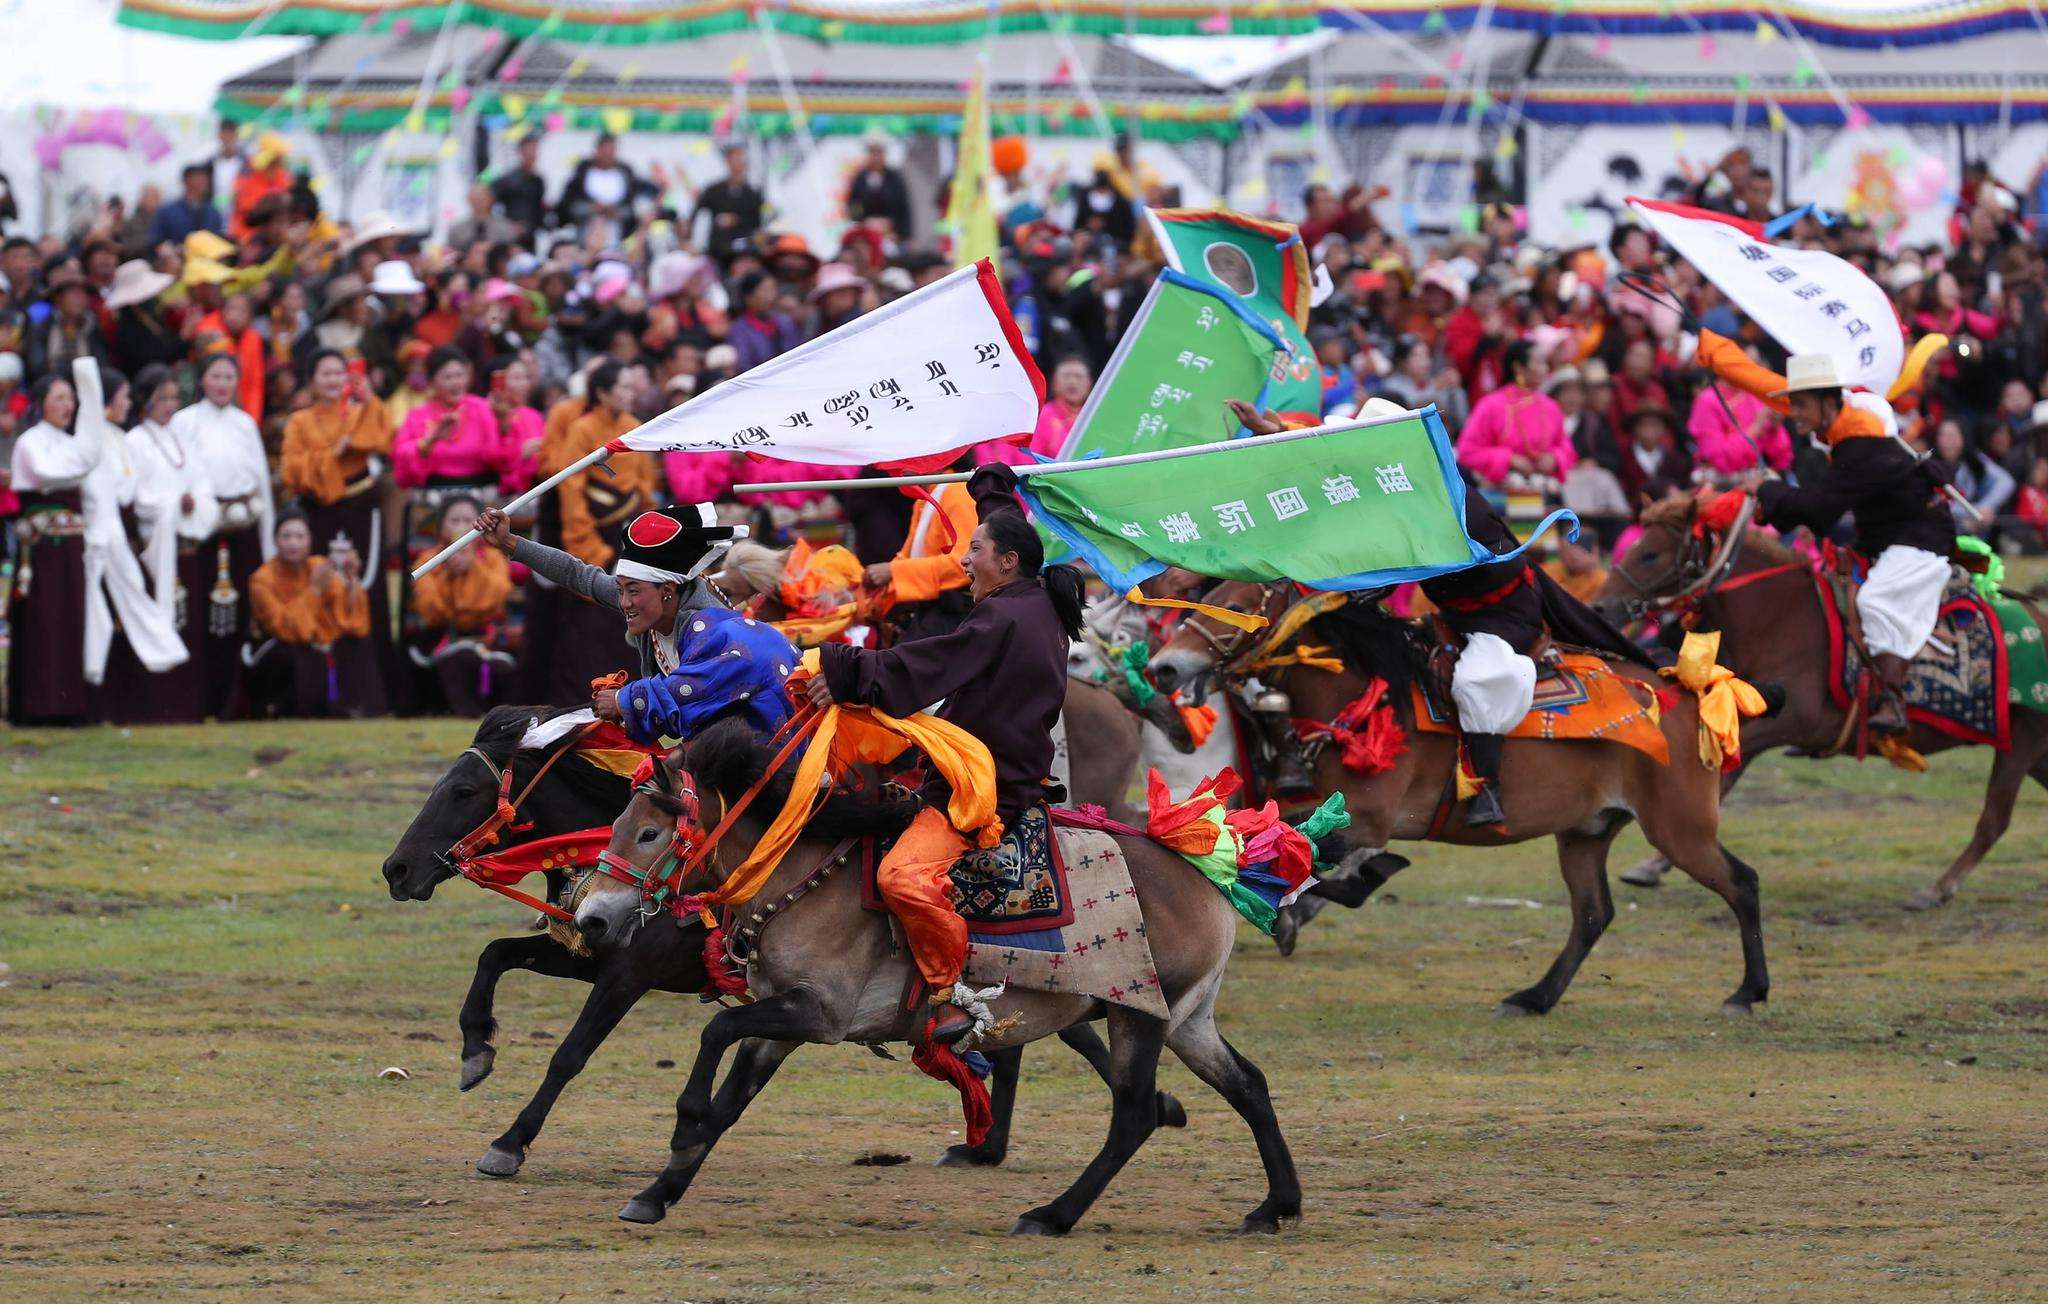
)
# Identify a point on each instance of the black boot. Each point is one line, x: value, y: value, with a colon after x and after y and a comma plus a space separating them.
x: 1290, y: 769
x: 1485, y: 809
x: 1888, y: 715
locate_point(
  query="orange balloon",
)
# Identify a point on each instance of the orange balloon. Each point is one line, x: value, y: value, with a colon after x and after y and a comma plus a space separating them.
x: 1009, y: 154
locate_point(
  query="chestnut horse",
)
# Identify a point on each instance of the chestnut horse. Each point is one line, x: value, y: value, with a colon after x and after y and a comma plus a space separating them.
x: 1582, y: 793
x: 826, y: 970
x: 1762, y: 598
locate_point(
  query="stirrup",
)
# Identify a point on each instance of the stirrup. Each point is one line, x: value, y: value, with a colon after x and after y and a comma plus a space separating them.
x: 1484, y: 809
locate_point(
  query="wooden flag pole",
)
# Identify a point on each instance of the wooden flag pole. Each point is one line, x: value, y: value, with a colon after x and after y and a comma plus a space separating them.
x: 1080, y: 464
x: 509, y: 508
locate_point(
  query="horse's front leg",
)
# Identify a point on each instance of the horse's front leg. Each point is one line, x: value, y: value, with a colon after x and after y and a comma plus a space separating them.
x: 613, y: 994
x: 771, y: 1029
x: 535, y: 951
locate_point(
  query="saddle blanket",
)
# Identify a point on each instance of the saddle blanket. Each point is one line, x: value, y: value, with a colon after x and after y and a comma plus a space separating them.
x: 1961, y: 683
x: 1052, y: 909
x: 1583, y: 701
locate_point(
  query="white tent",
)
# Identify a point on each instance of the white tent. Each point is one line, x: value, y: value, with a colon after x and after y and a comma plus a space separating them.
x: 108, y: 104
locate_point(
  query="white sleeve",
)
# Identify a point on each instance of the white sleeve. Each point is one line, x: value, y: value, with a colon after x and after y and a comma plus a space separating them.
x: 266, y: 504
x: 204, y: 518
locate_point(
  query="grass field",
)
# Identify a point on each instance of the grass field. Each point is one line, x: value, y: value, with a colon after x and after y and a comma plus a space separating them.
x: 204, y: 976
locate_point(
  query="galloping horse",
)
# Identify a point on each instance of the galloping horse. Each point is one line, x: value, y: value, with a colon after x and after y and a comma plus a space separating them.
x: 1581, y: 792
x: 559, y: 794
x: 827, y: 972
x: 1763, y: 599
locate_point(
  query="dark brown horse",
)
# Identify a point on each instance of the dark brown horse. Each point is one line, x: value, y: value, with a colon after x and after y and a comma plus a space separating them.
x: 1582, y: 793
x: 827, y: 971
x: 1774, y: 630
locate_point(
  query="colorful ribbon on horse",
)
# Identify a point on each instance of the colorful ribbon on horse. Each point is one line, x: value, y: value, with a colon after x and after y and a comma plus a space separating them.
x: 1724, y: 699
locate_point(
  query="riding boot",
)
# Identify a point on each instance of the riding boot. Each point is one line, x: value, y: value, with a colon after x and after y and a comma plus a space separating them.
x: 1888, y: 716
x: 1290, y: 766
x: 1485, y: 808
x: 950, y: 1022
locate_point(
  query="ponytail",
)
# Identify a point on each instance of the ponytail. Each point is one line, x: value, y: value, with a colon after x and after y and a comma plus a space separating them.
x: 1010, y: 532
x: 1066, y: 588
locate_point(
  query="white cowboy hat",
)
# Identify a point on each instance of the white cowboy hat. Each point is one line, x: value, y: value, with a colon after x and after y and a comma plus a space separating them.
x: 376, y: 226
x: 1381, y: 407
x: 135, y: 281
x: 395, y: 277
x: 1808, y: 371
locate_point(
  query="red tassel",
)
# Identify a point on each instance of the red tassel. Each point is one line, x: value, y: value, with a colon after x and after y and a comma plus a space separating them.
x: 720, y: 979
x: 1367, y: 730
x: 940, y: 1062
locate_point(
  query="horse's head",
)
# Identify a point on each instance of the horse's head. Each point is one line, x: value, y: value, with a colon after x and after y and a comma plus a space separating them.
x: 641, y: 869
x: 466, y: 796
x: 1204, y: 645
x: 1658, y: 564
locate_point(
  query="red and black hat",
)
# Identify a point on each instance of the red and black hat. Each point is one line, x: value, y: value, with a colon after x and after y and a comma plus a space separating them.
x: 673, y: 545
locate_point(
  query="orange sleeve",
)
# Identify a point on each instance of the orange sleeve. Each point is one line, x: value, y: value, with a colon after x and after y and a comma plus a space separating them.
x: 1725, y: 358
x: 580, y: 538
x: 554, y: 436
x: 347, y: 612
x: 290, y: 616
x: 371, y: 431
x: 431, y: 599
x: 250, y: 355
x: 920, y: 579
x: 298, y: 465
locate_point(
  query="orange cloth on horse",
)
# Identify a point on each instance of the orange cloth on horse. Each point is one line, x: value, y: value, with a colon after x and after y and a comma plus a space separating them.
x: 929, y: 563
x: 311, y: 466
x: 1725, y: 358
x: 916, y: 883
x: 464, y: 601
x: 631, y: 473
x: 293, y: 606
x: 1588, y: 702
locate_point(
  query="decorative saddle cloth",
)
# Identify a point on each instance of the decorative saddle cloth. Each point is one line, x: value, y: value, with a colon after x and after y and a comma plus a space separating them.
x: 1051, y: 909
x: 1582, y: 699
x: 1984, y: 657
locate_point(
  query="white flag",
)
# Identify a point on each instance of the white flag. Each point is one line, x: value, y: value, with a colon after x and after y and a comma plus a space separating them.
x: 1809, y: 300
x: 938, y: 370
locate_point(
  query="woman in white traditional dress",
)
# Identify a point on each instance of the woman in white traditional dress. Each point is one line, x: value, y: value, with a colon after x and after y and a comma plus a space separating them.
x: 230, y: 454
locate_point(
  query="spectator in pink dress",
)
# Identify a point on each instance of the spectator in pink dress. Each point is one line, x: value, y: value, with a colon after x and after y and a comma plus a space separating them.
x: 453, y: 437
x: 511, y: 400
x: 1071, y: 383
x: 1515, y: 437
x: 1718, y: 444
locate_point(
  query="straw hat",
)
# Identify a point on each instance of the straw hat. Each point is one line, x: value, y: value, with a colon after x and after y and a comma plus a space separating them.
x: 205, y: 244
x: 1808, y: 371
x: 206, y: 271
x: 135, y: 281
x: 376, y: 226
x: 340, y: 291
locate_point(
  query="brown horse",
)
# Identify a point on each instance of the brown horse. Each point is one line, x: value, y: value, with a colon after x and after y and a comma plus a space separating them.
x: 1774, y: 630
x: 827, y: 971
x: 1582, y: 793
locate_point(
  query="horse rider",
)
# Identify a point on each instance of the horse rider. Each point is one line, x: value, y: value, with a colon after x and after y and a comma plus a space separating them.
x: 1499, y: 611
x: 1003, y: 676
x: 1902, y: 524
x: 699, y: 660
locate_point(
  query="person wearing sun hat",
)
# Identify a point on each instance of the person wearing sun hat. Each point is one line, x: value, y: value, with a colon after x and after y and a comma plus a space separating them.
x: 699, y: 661
x: 1902, y: 523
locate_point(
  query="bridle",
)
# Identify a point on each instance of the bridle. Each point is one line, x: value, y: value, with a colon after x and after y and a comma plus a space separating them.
x: 463, y: 857
x: 661, y: 883
x: 1233, y: 644
x: 1708, y: 571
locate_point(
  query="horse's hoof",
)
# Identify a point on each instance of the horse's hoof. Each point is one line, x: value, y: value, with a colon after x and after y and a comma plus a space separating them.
x: 967, y: 1157
x: 1513, y: 1009
x: 1285, y: 932
x: 1737, y: 1009
x: 642, y: 1210
x: 1171, y: 1112
x: 477, y: 1067
x: 1034, y: 1224
x: 1927, y: 898
x: 500, y: 1162
x: 1643, y: 875
x: 1267, y: 1222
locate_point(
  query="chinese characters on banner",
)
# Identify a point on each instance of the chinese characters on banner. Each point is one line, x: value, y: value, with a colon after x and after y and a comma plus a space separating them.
x: 1808, y: 300
x: 1186, y: 351
x: 937, y: 370
x: 1356, y: 506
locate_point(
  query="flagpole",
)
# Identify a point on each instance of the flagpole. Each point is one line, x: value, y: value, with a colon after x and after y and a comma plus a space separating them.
x: 1082, y: 464
x: 596, y: 456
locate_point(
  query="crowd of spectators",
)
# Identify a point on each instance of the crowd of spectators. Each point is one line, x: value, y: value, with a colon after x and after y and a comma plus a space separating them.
x: 292, y: 409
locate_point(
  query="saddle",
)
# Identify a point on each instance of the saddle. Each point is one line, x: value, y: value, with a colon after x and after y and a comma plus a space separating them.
x: 1017, y: 886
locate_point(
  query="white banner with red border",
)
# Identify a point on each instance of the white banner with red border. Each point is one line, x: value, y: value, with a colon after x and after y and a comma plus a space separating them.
x: 1808, y: 300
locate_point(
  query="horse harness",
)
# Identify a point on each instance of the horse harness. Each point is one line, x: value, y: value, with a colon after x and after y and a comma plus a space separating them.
x: 464, y: 857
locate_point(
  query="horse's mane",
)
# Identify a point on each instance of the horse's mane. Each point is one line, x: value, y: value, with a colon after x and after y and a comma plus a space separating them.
x: 730, y: 757
x: 1374, y: 641
x: 498, y: 735
x: 1677, y: 511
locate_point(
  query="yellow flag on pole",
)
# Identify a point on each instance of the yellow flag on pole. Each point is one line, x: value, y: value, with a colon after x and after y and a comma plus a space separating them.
x: 970, y: 207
